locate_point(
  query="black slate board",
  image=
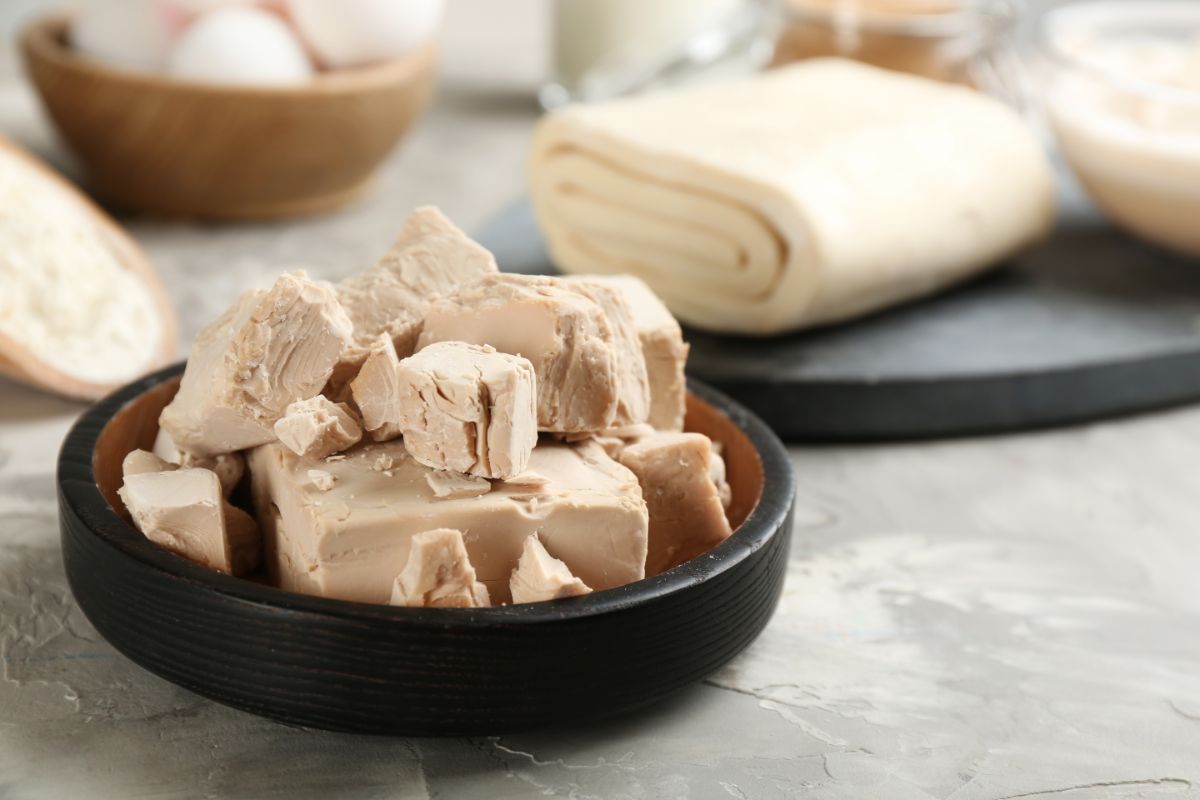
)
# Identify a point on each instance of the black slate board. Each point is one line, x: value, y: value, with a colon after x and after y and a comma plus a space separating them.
x: 1091, y: 324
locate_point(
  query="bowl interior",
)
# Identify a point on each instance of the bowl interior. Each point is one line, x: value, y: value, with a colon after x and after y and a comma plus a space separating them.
x: 1070, y: 36
x: 135, y: 425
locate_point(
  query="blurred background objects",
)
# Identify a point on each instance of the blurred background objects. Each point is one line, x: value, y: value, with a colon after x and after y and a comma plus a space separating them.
x: 990, y: 616
x: 607, y: 49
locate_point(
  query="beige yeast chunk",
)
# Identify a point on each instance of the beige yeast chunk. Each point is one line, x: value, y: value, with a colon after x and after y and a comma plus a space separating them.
x: 318, y: 427
x: 375, y: 391
x: 686, y: 514
x: 540, y: 576
x: 662, y: 346
x: 272, y: 348
x: 431, y: 257
x: 230, y: 467
x: 468, y: 408
x: 184, y: 511
x: 140, y: 462
x: 590, y: 371
x: 438, y: 574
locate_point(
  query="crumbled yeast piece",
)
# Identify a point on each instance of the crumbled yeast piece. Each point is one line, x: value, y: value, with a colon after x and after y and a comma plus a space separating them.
x: 318, y: 427
x: 662, y: 346
x: 468, y: 408
x: 686, y: 514
x: 140, y: 462
x: 184, y: 510
x: 456, y: 484
x: 272, y: 348
x: 438, y: 574
x: 375, y: 390
x: 431, y: 257
x: 321, y: 479
x: 528, y: 478
x: 580, y: 339
x: 541, y: 576
x: 230, y: 467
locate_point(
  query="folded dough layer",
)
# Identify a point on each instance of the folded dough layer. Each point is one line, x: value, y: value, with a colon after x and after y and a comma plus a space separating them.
x: 802, y: 196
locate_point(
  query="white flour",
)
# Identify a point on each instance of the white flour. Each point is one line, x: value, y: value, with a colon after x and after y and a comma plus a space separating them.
x: 63, y: 294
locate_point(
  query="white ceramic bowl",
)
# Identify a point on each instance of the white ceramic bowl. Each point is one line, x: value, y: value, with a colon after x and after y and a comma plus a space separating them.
x: 1121, y: 87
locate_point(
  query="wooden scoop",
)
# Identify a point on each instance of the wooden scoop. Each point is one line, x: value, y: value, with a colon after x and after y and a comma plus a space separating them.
x: 20, y: 363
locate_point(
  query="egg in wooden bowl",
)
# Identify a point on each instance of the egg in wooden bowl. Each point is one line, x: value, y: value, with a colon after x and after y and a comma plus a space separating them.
x: 190, y: 148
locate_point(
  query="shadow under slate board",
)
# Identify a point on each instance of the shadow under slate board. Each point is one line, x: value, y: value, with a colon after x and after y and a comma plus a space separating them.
x: 1091, y: 324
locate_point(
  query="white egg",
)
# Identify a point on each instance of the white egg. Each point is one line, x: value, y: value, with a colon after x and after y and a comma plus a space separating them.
x: 138, y: 36
x: 351, y: 32
x: 242, y: 46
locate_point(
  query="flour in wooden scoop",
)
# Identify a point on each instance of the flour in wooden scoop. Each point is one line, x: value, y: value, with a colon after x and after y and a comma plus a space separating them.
x: 64, y: 295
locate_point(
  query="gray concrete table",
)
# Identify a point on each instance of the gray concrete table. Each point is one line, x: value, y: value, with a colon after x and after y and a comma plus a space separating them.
x: 1011, y: 617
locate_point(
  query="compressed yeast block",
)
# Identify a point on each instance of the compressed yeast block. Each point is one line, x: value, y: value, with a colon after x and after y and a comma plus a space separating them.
x: 349, y: 540
x: 663, y: 348
x: 318, y: 427
x: 468, y: 408
x: 272, y: 348
x: 687, y: 516
x: 431, y: 257
x: 184, y: 510
x: 591, y: 374
x: 540, y: 576
x: 438, y: 574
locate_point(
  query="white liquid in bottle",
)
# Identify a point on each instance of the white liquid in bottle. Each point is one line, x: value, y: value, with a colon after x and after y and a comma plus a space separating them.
x: 604, y: 48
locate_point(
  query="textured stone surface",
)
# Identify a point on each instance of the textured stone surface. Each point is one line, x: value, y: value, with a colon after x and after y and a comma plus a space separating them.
x: 983, y: 619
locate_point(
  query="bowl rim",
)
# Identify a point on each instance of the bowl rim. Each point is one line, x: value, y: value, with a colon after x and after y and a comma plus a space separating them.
x: 80, y: 495
x: 989, y: 19
x: 43, y: 39
x: 1090, y: 14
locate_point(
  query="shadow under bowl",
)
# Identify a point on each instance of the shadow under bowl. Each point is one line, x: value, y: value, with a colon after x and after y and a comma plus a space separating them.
x: 357, y: 667
x: 188, y: 149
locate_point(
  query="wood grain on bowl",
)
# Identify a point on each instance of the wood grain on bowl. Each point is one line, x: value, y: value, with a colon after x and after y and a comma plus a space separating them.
x: 412, y: 671
x: 178, y: 148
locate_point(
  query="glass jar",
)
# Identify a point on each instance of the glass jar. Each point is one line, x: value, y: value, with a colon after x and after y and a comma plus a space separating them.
x: 957, y: 41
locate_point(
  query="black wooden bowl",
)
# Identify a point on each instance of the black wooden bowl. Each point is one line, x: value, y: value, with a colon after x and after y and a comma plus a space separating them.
x: 377, y: 669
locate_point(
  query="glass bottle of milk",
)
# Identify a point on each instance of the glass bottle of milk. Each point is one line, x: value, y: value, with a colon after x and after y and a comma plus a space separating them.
x: 607, y: 48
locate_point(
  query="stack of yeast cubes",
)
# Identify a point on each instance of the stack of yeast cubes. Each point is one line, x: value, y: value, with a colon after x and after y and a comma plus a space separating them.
x: 434, y: 433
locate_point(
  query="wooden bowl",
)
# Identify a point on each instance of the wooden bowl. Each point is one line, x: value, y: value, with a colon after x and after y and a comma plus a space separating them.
x: 224, y: 152
x: 417, y: 672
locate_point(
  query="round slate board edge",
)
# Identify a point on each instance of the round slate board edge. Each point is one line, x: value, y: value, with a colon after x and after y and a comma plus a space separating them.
x: 1044, y: 342
x: 949, y: 407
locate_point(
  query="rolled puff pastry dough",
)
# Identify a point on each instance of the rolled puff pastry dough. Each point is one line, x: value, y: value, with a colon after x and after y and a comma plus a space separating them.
x: 801, y: 196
